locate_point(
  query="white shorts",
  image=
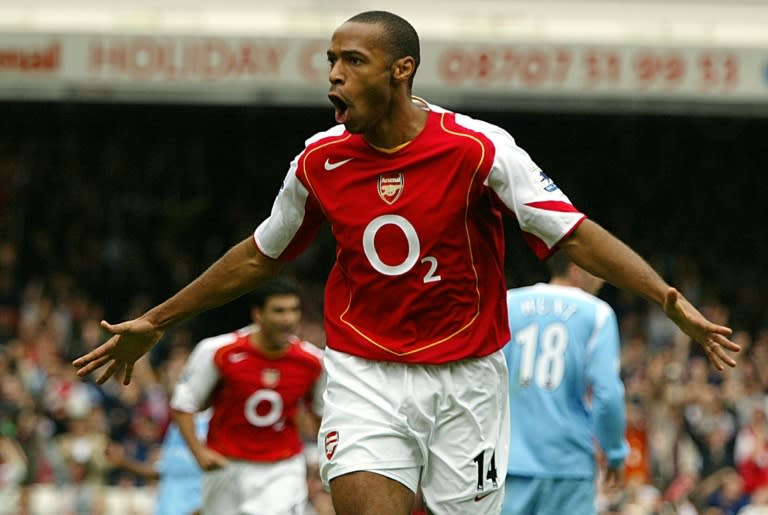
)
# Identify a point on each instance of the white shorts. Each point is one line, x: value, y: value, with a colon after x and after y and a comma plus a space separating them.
x: 444, y: 425
x: 252, y: 488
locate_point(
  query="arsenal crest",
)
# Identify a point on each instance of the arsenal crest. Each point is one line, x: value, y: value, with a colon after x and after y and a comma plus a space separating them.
x: 270, y: 377
x: 391, y: 187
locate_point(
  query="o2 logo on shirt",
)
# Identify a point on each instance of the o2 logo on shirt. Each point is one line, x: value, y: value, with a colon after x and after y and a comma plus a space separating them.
x: 414, y: 248
x: 273, y: 417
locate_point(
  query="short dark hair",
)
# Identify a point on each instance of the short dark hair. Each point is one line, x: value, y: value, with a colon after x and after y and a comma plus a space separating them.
x: 402, y: 40
x: 558, y: 264
x: 259, y: 297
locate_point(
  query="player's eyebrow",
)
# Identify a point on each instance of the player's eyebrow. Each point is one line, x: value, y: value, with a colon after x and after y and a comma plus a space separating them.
x: 346, y: 54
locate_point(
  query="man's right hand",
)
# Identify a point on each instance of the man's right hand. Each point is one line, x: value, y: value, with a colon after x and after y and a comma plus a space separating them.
x: 614, y: 478
x: 208, y: 459
x: 130, y: 340
x: 714, y: 338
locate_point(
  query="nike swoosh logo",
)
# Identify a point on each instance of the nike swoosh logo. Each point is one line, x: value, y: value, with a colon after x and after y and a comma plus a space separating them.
x: 332, y: 166
x: 237, y: 357
x: 479, y: 498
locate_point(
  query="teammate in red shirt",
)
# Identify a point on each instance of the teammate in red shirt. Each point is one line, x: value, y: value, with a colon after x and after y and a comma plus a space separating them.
x: 255, y: 379
x: 415, y: 312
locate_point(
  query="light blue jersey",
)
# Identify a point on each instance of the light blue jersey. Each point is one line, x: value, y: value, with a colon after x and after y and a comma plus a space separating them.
x: 565, y: 389
x: 180, y: 490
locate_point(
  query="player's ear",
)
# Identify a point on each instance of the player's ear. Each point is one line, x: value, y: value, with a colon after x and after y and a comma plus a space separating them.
x: 403, y: 68
x: 576, y: 273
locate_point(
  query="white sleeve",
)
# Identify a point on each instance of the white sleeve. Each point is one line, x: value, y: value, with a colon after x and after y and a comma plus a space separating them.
x: 199, y: 377
x: 541, y: 208
x: 275, y: 233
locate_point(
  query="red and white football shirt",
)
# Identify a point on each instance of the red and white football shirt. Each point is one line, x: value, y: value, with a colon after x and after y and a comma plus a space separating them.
x: 419, y: 272
x: 254, y: 398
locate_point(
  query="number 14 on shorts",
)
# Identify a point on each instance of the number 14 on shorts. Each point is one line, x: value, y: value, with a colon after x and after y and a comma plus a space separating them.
x: 489, y: 474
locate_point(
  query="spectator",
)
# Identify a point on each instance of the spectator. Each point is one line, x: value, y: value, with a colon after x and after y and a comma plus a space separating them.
x: 637, y: 466
x: 82, y: 445
x: 712, y: 428
x: 723, y: 493
x: 13, y: 469
x: 758, y: 504
x: 752, y: 451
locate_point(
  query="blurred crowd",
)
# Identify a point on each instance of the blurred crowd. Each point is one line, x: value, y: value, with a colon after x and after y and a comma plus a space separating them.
x: 107, y: 209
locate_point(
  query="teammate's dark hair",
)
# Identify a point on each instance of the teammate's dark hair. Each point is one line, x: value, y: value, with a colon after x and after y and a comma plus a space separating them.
x: 276, y: 286
x: 402, y: 39
x: 558, y: 264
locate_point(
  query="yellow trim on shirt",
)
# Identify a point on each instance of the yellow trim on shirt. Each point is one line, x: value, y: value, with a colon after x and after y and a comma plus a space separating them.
x: 391, y: 150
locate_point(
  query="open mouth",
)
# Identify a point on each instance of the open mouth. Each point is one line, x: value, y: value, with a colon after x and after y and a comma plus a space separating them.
x: 340, y: 107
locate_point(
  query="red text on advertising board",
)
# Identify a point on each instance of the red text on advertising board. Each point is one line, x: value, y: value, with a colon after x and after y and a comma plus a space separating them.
x: 145, y: 58
x: 661, y: 70
x: 707, y: 70
x: 602, y: 67
x: 22, y: 59
x: 532, y: 67
x: 718, y: 71
x: 666, y: 69
x: 313, y: 62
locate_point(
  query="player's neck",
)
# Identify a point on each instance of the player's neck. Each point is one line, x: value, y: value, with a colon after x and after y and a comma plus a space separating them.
x: 405, y: 121
x: 259, y: 341
x: 563, y: 281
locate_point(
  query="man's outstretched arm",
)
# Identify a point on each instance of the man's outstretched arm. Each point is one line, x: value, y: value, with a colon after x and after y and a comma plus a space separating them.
x: 602, y: 254
x: 241, y: 269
